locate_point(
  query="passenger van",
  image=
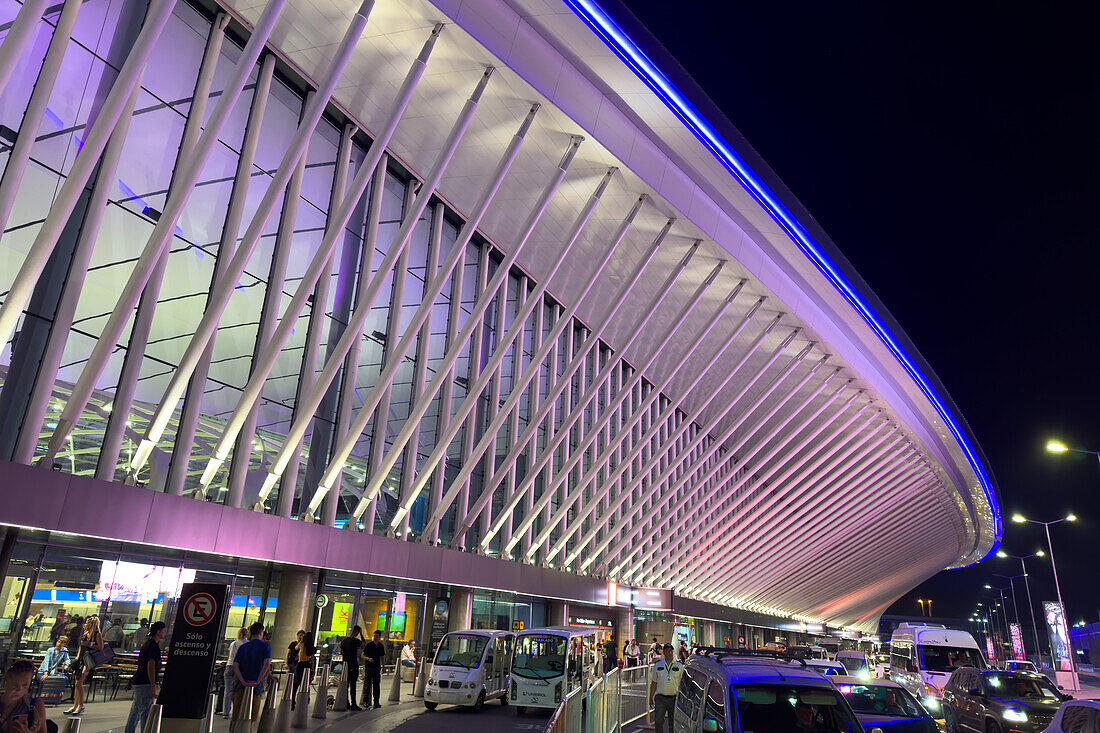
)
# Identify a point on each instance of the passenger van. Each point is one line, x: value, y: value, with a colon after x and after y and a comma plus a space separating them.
x: 470, y: 667
x: 831, y: 647
x: 923, y: 656
x: 550, y: 663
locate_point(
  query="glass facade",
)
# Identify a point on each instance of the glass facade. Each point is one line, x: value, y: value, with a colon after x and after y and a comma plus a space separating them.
x: 214, y: 217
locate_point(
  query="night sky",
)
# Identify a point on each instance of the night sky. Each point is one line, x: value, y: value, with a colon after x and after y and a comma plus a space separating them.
x: 950, y: 151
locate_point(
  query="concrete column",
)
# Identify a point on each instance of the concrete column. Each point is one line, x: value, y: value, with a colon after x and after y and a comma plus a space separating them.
x: 557, y: 613
x: 292, y: 613
x: 624, y: 623
x: 462, y: 609
x: 708, y: 634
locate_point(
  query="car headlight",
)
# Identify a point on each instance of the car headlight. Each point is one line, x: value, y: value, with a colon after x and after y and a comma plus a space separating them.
x: 1015, y: 716
x: 864, y: 674
x: 931, y: 703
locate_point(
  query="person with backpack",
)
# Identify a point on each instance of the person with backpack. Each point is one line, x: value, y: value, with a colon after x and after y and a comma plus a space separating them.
x: 19, y: 712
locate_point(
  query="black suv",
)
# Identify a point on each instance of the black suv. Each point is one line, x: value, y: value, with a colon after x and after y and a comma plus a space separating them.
x: 994, y: 701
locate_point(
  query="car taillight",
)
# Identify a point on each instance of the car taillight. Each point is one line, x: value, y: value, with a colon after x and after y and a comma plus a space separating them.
x: 931, y: 690
x: 557, y: 692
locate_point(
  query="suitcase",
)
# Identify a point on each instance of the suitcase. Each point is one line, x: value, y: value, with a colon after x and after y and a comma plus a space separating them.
x: 52, y: 690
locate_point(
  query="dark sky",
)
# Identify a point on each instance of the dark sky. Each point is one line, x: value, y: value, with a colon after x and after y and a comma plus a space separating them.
x: 950, y: 151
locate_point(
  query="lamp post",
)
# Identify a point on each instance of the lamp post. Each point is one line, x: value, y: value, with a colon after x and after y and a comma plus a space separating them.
x: 1015, y: 606
x: 925, y: 611
x: 1020, y: 519
x: 1001, y: 610
x: 1027, y: 587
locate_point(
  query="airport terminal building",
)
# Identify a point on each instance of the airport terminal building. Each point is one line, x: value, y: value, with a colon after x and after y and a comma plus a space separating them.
x: 410, y: 300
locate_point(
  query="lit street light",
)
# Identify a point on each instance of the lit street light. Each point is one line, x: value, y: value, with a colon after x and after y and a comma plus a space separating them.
x: 925, y: 611
x: 1027, y: 586
x: 1071, y: 517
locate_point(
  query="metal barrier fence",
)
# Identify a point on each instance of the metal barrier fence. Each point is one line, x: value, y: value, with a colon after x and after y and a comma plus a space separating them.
x: 568, y: 717
x: 618, y: 698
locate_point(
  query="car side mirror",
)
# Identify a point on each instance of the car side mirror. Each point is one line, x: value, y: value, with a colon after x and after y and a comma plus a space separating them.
x: 710, y: 725
x: 1066, y: 698
x: 974, y: 692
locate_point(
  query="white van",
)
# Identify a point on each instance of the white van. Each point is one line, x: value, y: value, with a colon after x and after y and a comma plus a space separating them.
x: 470, y: 667
x: 923, y: 656
x: 550, y: 663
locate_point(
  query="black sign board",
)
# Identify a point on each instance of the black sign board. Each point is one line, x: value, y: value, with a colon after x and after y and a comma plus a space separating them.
x: 195, y: 636
x: 441, y: 613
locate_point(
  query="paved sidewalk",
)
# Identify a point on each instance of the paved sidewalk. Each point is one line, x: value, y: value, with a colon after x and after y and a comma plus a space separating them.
x: 110, y: 716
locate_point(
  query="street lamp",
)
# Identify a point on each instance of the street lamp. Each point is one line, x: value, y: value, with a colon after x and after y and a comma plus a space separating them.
x: 925, y: 611
x: 1027, y: 586
x: 1071, y: 517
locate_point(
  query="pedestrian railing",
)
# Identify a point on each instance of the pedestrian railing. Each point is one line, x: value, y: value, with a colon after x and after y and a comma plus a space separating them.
x: 568, y: 718
x: 619, y: 697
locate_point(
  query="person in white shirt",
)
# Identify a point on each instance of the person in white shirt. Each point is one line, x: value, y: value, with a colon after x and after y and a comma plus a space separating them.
x: 633, y: 653
x: 408, y: 656
x: 664, y: 683
x: 242, y: 637
x: 654, y: 651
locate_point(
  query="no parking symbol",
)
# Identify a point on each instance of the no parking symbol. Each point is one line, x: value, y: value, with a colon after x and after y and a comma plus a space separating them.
x: 200, y: 609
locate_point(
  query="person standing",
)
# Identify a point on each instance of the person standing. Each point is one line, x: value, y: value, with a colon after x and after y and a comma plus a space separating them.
x: 633, y: 653
x: 664, y: 683
x: 683, y: 651
x: 306, y: 649
x: 250, y: 669
x: 144, y: 680
x: 91, y: 640
x: 373, y: 653
x: 349, y: 650
x: 654, y: 651
x: 227, y: 676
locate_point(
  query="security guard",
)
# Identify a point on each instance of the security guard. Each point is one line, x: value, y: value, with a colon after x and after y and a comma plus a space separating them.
x: 665, y: 681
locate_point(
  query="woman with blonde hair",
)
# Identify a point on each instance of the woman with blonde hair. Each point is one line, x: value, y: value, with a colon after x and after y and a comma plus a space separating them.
x: 92, y: 640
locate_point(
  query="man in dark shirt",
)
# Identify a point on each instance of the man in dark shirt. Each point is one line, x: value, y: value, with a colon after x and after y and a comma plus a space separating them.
x: 250, y: 668
x: 349, y: 650
x: 373, y: 653
x: 144, y: 680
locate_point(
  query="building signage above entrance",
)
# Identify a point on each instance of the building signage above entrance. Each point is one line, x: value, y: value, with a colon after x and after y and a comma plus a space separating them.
x: 586, y: 621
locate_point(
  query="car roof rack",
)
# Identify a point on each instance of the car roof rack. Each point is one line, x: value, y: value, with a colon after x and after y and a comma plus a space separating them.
x: 718, y: 653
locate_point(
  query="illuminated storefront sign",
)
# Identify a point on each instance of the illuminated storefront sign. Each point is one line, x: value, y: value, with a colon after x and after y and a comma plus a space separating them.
x: 136, y: 583
x: 588, y: 621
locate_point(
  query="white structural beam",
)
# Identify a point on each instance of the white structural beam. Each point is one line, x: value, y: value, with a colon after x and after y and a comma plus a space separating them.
x: 546, y: 455
x: 128, y: 79
x: 504, y: 342
x: 455, y: 341
x: 187, y: 176
x: 546, y: 344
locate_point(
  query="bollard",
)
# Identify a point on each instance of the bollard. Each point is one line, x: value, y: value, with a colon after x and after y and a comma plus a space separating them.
x: 208, y: 722
x: 271, y: 703
x: 421, y: 678
x: 299, y: 718
x: 244, y: 714
x: 341, y: 704
x: 282, y: 715
x: 152, y: 723
x: 395, y: 687
x: 320, y: 705
x: 72, y: 725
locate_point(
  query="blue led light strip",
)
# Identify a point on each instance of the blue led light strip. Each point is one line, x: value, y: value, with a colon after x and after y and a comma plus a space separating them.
x: 596, y: 18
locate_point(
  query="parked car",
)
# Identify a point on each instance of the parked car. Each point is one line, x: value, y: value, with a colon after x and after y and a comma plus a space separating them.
x: 825, y: 667
x: 1076, y: 716
x: 885, y: 705
x: 996, y: 701
x: 728, y: 691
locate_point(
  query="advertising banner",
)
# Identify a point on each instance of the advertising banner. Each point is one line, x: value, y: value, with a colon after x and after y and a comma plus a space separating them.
x: 194, y: 644
x: 989, y: 649
x: 440, y: 616
x: 1017, y: 641
x: 1059, y: 635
